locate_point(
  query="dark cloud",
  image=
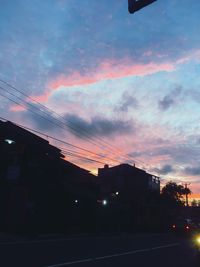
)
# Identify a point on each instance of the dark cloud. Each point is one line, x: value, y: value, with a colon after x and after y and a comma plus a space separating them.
x: 136, y: 154
x: 41, y: 117
x: 179, y: 154
x: 166, y: 103
x: 170, y: 99
x: 194, y: 94
x: 45, y: 119
x: 97, y: 126
x: 166, y: 169
x: 192, y: 171
x: 127, y: 102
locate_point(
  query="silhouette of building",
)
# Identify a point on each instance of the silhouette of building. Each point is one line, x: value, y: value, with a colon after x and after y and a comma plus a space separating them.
x: 127, y: 179
x: 38, y: 188
x: 131, y: 194
x: 41, y: 191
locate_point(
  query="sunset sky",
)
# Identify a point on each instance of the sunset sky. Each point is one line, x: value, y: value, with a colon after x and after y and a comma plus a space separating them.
x: 128, y: 85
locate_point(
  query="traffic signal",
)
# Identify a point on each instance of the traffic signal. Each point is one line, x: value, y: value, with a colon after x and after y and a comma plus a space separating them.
x: 135, y: 5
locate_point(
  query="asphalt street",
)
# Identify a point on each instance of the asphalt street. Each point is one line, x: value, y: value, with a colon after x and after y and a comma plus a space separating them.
x: 141, y: 250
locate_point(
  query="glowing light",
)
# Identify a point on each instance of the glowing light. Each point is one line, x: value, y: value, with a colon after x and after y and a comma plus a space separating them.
x: 187, y: 227
x: 198, y: 240
x: 76, y: 200
x: 173, y: 226
x: 10, y: 142
x: 105, y: 202
x: 117, y: 193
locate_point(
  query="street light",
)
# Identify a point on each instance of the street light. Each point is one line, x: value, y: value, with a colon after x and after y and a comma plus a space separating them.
x: 9, y: 141
x: 104, y: 202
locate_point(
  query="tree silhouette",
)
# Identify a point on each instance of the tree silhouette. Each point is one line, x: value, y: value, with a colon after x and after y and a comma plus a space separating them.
x: 172, y: 194
x: 194, y: 203
x: 186, y: 191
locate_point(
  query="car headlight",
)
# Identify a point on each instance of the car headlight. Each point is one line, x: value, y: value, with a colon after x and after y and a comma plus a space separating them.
x: 198, y: 240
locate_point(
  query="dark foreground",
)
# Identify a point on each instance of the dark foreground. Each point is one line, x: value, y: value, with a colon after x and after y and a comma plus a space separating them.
x: 157, y: 250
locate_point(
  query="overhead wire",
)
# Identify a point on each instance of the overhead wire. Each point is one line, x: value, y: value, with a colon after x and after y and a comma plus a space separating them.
x: 100, y: 141
x: 81, y: 157
x: 57, y: 139
x: 63, y: 150
x: 58, y: 126
x: 28, y: 104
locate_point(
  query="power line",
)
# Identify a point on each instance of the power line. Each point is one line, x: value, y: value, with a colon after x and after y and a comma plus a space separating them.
x: 81, y: 157
x: 84, y: 131
x: 46, y: 135
x: 54, y: 124
x: 66, y: 150
x: 63, y: 150
x: 28, y: 105
x: 58, y: 140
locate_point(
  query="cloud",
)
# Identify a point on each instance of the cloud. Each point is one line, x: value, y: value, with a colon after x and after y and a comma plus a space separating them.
x: 192, y: 55
x: 97, y: 126
x: 47, y: 120
x: 180, y: 154
x: 127, y: 101
x: 166, y: 103
x: 66, y: 43
x: 195, y: 171
x: 41, y: 117
x: 109, y: 70
x: 195, y: 95
x: 170, y: 99
x: 166, y: 169
x: 17, y: 108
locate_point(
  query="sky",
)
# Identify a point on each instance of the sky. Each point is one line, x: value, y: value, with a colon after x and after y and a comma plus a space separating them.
x: 122, y: 86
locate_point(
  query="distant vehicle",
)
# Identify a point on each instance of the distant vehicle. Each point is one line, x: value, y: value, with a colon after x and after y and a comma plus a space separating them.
x: 184, y: 226
x: 135, y: 5
x: 196, y: 245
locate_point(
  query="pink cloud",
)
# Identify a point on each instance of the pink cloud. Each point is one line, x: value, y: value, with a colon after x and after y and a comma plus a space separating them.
x: 42, y: 98
x: 109, y: 70
x: 17, y: 108
x: 194, y: 55
x: 106, y: 71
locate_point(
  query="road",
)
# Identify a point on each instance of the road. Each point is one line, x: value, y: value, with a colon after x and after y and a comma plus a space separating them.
x: 141, y: 250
